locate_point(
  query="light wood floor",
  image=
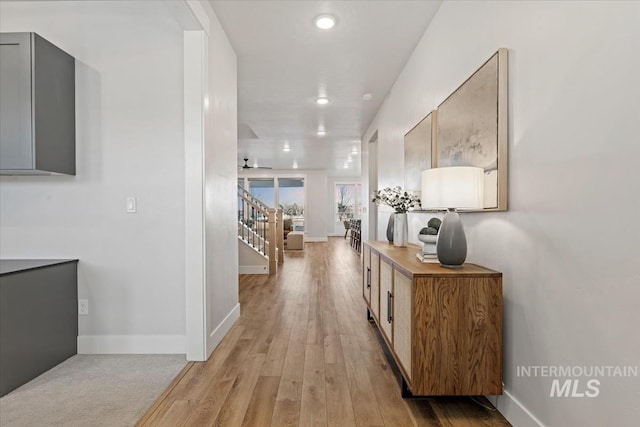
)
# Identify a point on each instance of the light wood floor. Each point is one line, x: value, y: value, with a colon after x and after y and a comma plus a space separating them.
x: 303, y: 354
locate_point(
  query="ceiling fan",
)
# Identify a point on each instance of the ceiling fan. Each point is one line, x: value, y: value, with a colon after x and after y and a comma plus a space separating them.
x: 246, y: 165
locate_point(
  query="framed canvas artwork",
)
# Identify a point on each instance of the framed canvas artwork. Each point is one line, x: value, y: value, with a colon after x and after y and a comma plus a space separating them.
x: 472, y: 128
x: 419, y: 144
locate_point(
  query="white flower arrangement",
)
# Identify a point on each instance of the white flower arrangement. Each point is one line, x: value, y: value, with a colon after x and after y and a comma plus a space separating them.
x: 396, y: 198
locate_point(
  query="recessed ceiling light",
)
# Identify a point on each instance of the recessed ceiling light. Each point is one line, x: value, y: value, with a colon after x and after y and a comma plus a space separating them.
x: 325, y: 22
x: 295, y: 165
x: 346, y: 165
x: 321, y: 133
x: 349, y: 159
x: 354, y: 151
x: 286, y: 148
x: 255, y: 164
x: 367, y: 97
x: 322, y: 101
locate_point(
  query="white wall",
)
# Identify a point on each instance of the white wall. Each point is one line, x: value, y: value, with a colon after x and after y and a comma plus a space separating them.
x: 568, y: 244
x: 220, y: 151
x: 129, y: 143
x: 250, y: 261
x: 316, y: 227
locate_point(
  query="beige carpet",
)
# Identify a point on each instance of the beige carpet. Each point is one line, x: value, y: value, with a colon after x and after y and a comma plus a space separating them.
x: 91, y: 390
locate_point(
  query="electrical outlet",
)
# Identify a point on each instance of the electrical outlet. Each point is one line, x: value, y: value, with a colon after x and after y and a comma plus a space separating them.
x: 83, y: 306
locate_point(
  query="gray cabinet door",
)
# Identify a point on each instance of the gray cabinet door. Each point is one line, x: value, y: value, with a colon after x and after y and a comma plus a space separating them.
x: 54, y: 108
x: 16, y: 131
x: 37, y: 111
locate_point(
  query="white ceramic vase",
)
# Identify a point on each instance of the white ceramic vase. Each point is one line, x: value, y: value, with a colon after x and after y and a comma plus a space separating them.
x: 400, y: 230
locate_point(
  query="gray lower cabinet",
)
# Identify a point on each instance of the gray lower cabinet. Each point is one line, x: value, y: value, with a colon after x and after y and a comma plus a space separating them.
x: 38, y: 318
x: 37, y: 107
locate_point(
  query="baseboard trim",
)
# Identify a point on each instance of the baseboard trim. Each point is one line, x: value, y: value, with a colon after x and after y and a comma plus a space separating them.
x: 132, y: 344
x: 315, y: 239
x: 253, y: 269
x: 514, y: 411
x: 222, y: 329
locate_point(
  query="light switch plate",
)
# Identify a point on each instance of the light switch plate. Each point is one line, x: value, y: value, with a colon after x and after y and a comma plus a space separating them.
x: 132, y: 206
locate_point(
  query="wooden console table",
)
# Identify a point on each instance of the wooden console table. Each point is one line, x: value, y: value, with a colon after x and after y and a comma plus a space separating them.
x: 442, y: 325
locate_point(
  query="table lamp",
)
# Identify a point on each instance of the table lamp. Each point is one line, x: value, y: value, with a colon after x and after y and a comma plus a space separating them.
x: 452, y: 189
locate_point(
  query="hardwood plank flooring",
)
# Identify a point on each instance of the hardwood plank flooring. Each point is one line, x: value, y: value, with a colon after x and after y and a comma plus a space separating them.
x: 303, y: 354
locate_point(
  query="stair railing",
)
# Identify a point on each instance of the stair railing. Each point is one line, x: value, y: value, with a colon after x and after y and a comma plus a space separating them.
x: 261, y: 227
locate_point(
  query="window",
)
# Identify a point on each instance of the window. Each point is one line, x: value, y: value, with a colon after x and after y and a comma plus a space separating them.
x: 285, y: 193
x: 347, y: 201
x: 291, y: 200
x: 263, y: 189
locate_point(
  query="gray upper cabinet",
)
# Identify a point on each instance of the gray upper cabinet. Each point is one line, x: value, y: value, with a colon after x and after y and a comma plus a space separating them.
x: 37, y: 107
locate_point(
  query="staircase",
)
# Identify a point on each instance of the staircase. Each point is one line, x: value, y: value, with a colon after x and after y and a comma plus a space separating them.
x: 260, y: 228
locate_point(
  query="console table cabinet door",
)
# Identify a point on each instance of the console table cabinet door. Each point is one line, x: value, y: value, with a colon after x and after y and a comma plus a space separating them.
x: 366, y: 274
x: 402, y: 320
x: 461, y: 323
x: 386, y: 296
x: 375, y: 285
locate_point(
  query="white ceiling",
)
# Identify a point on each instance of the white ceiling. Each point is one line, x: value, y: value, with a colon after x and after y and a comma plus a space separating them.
x: 285, y: 63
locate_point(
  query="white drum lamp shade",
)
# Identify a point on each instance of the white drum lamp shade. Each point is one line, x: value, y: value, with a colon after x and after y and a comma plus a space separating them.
x: 451, y: 189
